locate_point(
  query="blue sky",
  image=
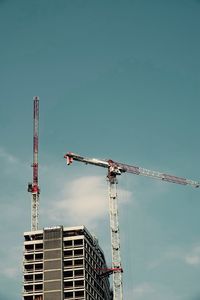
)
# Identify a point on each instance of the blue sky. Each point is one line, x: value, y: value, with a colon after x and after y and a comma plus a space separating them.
x: 116, y: 79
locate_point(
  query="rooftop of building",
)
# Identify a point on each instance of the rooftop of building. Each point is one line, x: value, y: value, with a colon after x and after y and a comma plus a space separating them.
x: 71, y: 231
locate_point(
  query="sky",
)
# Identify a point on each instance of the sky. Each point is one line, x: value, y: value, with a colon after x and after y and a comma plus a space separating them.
x: 116, y: 79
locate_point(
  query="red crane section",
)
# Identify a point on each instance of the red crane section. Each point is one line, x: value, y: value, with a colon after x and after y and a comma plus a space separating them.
x: 33, y: 187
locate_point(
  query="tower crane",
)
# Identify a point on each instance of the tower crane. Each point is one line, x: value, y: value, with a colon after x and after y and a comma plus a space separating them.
x: 114, y: 169
x: 33, y: 187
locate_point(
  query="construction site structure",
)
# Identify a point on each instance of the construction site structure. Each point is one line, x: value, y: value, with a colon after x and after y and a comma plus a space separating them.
x: 64, y: 263
x: 114, y: 169
x: 33, y: 187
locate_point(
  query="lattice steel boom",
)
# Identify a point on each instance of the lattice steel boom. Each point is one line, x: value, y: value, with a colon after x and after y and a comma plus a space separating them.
x: 34, y: 186
x: 115, y: 168
x: 120, y: 168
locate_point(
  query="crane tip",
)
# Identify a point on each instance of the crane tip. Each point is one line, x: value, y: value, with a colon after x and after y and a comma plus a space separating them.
x: 36, y: 98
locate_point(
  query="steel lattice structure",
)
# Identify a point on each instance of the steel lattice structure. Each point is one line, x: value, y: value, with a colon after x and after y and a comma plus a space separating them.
x: 33, y: 187
x: 114, y: 169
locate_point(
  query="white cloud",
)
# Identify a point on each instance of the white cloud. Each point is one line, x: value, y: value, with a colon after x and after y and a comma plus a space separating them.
x: 9, y: 265
x: 151, y: 291
x: 84, y: 201
x: 193, y: 257
x: 190, y: 257
x: 10, y: 272
x: 9, y: 158
x: 144, y: 289
x: 172, y: 253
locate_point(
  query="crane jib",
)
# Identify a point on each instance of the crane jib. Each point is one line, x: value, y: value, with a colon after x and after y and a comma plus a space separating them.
x: 174, y: 179
x: 127, y: 168
x: 131, y: 169
x: 122, y: 168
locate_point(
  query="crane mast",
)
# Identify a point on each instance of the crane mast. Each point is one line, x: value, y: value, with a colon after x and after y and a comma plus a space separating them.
x: 33, y: 187
x: 115, y: 237
x: 114, y: 169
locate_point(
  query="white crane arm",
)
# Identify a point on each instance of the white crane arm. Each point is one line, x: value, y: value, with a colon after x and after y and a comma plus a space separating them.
x: 92, y: 161
x: 155, y: 174
x: 119, y: 168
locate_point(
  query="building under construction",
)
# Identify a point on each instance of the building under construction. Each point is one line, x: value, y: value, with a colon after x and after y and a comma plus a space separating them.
x: 67, y: 263
x: 64, y: 263
x: 60, y: 263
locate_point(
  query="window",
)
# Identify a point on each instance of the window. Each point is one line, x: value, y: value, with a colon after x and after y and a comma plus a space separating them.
x: 78, y: 273
x: 78, y: 252
x: 68, y: 263
x: 38, y: 247
x: 78, y: 242
x: 68, y: 274
x: 67, y: 243
x: 38, y: 287
x: 29, y: 248
x: 68, y: 295
x: 28, y: 298
x: 38, y: 267
x: 28, y: 268
x: 38, y: 277
x: 68, y: 284
x: 68, y: 253
x: 38, y: 256
x: 79, y: 283
x: 29, y: 257
x: 78, y: 262
x: 79, y: 294
x: 28, y: 288
x: 28, y: 278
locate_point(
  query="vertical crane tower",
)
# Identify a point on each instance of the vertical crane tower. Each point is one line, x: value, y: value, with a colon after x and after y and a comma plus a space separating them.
x: 33, y: 187
x: 114, y: 169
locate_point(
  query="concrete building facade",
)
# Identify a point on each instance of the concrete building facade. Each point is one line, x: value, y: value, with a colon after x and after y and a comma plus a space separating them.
x: 64, y: 263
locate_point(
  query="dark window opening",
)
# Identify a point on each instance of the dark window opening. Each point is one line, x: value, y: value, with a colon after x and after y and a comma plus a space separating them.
x: 68, y: 295
x: 67, y: 243
x: 28, y: 288
x: 78, y: 273
x: 78, y: 242
x: 28, y: 278
x: 78, y: 262
x: 38, y: 267
x: 68, y: 253
x: 68, y: 284
x: 79, y: 293
x: 39, y: 247
x: 29, y: 247
x: 38, y: 287
x: 68, y: 274
x: 38, y: 256
x: 79, y: 283
x: 68, y: 263
x: 28, y: 268
x: 38, y: 277
x: 29, y: 256
x: 78, y: 252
